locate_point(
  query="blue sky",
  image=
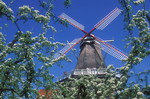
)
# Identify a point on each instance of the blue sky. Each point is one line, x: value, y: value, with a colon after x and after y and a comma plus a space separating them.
x: 88, y: 13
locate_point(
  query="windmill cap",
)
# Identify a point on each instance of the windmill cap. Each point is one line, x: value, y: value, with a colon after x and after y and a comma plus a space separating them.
x: 87, y: 39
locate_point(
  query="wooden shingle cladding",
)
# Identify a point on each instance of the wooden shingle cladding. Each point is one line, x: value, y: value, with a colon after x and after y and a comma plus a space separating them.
x: 90, y: 55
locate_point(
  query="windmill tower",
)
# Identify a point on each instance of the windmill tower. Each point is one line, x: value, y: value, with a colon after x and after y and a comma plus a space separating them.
x: 90, y: 55
x: 90, y: 58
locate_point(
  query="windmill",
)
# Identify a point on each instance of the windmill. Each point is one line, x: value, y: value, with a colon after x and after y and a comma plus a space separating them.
x: 90, y: 54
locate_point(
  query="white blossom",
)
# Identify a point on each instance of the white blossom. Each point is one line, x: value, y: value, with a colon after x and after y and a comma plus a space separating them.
x: 139, y: 93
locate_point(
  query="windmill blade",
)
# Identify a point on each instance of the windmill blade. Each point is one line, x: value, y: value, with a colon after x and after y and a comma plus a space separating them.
x: 67, y: 48
x: 107, y: 19
x: 74, y: 23
x: 110, y: 49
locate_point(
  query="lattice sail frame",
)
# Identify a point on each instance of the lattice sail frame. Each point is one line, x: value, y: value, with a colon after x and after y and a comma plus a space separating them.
x: 112, y: 50
x: 108, y: 19
x: 67, y: 48
x: 73, y: 22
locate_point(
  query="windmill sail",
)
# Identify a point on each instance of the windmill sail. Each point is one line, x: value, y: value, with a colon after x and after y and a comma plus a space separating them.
x: 68, y: 47
x: 74, y: 23
x: 110, y: 49
x: 108, y: 19
x: 100, y: 25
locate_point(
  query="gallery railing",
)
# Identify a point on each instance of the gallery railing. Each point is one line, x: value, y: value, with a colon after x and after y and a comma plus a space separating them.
x: 82, y: 72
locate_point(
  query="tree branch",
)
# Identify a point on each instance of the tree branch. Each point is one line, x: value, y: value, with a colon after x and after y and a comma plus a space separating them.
x: 18, y: 35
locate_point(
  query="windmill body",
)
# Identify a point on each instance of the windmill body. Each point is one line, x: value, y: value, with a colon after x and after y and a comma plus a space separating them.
x: 90, y: 60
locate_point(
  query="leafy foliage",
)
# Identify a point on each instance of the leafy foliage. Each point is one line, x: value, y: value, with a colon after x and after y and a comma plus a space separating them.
x: 98, y: 87
x: 25, y: 60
